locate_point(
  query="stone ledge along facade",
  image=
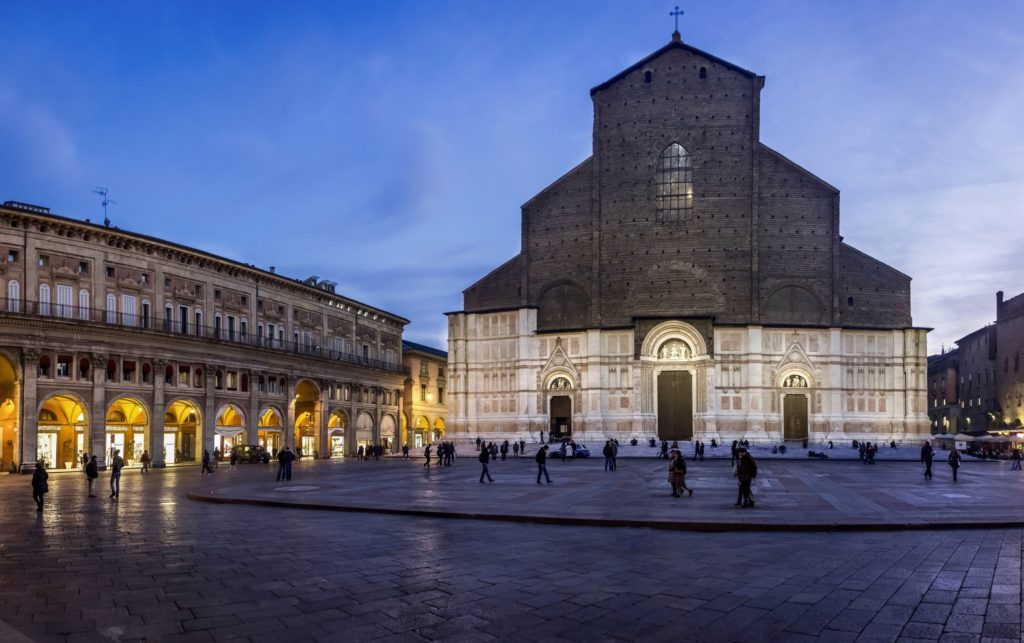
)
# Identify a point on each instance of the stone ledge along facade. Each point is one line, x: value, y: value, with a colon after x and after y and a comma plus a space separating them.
x: 686, y: 282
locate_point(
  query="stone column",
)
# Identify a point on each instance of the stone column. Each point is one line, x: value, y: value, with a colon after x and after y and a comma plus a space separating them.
x: 28, y: 426
x: 156, y: 420
x: 209, y: 412
x: 322, y: 416
x: 253, y: 419
x: 350, y: 431
x: 289, y: 421
x: 98, y: 411
x: 378, y: 416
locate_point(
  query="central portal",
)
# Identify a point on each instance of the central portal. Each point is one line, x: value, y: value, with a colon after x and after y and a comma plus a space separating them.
x: 561, y: 417
x: 794, y: 415
x: 675, y: 405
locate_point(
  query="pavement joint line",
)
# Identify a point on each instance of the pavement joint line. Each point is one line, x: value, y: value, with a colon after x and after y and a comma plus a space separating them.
x: 702, y: 526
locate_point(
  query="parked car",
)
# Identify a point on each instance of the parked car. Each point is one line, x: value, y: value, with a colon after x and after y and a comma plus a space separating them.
x: 253, y: 454
x: 582, y: 451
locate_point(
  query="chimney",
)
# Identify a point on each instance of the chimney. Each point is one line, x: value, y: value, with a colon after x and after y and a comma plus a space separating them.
x: 273, y: 269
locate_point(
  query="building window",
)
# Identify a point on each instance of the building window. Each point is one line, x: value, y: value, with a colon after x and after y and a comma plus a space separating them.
x: 216, y: 326
x: 423, y: 368
x: 44, y: 261
x: 128, y: 371
x: 168, y: 318
x: 232, y: 380
x: 145, y: 313
x: 440, y: 395
x: 65, y: 294
x: 703, y: 73
x: 13, y: 296
x: 12, y: 256
x: 423, y: 392
x: 110, y: 272
x: 674, y: 183
x: 44, y: 299
x: 243, y: 329
x: 83, y: 267
x: 648, y: 76
x: 183, y: 320
x: 231, y: 328
x: 199, y: 322
x: 83, y: 304
x: 63, y: 366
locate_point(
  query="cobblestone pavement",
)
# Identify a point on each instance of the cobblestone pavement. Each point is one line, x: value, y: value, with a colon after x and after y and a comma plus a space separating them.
x: 158, y: 566
x: 806, y: 493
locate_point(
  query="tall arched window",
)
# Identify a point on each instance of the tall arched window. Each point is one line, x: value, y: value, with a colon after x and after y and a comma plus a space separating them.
x: 111, y: 309
x: 674, y: 183
x: 83, y: 304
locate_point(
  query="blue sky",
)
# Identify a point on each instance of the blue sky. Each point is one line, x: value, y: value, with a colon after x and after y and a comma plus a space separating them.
x: 388, y: 146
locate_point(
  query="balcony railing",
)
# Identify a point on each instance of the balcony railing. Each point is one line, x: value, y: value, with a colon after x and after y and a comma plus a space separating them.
x: 170, y: 327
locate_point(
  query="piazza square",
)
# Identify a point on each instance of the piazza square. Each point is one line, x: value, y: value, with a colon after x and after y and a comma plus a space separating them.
x: 279, y: 361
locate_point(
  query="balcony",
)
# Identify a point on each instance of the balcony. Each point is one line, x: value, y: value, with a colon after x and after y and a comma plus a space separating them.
x: 77, y: 316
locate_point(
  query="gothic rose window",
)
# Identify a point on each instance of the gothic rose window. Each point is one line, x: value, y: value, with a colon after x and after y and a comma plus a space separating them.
x: 674, y: 183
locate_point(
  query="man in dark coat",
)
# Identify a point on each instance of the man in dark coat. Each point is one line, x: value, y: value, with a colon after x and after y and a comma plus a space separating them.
x: 927, y: 455
x: 282, y: 460
x: 39, y: 485
x: 542, y: 464
x: 609, y: 453
x: 746, y: 471
x: 91, y: 473
x: 206, y: 463
x: 484, y: 459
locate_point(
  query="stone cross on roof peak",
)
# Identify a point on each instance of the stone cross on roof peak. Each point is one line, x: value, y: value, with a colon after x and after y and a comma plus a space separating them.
x: 675, y: 13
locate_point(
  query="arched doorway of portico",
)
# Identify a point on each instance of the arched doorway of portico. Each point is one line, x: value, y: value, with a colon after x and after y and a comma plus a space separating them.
x: 9, y: 410
x: 269, y: 431
x: 127, y: 428
x: 229, y: 430
x: 337, y: 424
x: 307, y: 418
x: 364, y: 429
x: 183, y: 432
x: 62, y: 431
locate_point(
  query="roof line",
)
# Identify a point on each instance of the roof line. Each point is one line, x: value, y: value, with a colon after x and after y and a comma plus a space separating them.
x: 800, y: 167
x: 672, y: 45
x: 864, y: 254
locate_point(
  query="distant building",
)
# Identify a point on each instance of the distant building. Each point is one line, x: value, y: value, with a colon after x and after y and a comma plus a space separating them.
x: 943, y: 391
x: 686, y: 281
x: 116, y: 340
x: 979, y: 386
x: 425, y: 405
x: 1009, y: 369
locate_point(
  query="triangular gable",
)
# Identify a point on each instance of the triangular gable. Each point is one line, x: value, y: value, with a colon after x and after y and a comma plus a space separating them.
x: 559, y: 361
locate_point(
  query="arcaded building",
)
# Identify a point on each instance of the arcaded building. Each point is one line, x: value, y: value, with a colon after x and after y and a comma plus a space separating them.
x: 686, y: 281
x: 115, y: 340
x: 425, y: 407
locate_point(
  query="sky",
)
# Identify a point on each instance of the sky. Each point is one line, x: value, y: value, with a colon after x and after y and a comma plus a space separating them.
x: 389, y: 146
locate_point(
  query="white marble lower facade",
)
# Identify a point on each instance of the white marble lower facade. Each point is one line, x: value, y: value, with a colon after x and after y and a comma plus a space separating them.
x: 763, y: 384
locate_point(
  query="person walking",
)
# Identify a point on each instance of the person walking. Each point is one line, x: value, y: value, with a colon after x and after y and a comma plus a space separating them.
x: 145, y: 460
x: 608, y: 454
x: 206, y: 464
x: 484, y: 459
x: 615, y: 454
x: 39, y: 485
x: 426, y: 456
x: 91, y: 473
x: 542, y: 464
x: 677, y: 473
x: 289, y: 457
x: 405, y: 451
x: 746, y: 471
x: 504, y: 450
x: 927, y: 456
x: 735, y: 452
x: 1016, y: 460
x: 954, y: 461
x: 116, y: 464
x: 233, y: 460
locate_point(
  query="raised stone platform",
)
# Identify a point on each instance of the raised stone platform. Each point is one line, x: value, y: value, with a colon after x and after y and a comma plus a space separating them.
x: 816, y: 496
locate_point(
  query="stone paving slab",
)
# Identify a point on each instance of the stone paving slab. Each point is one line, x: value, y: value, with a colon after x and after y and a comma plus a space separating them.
x: 823, y: 496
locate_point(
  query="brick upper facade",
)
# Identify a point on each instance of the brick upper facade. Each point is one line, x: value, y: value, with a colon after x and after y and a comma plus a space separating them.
x: 759, y: 245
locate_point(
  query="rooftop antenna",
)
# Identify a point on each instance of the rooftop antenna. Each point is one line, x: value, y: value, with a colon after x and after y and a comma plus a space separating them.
x: 103, y: 192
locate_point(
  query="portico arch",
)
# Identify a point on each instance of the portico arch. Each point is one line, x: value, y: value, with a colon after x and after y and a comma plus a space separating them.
x: 127, y: 427
x: 388, y: 432
x: 336, y: 426
x: 62, y: 428
x: 438, y: 432
x: 269, y: 430
x: 421, y: 430
x: 183, y: 431
x: 364, y: 429
x: 307, y: 417
x: 9, y: 411
x: 229, y: 429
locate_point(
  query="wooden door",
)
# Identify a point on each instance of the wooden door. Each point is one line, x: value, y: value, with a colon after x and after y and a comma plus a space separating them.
x: 675, y: 405
x: 794, y: 416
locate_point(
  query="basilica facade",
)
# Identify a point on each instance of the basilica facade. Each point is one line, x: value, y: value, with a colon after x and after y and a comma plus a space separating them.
x: 686, y: 282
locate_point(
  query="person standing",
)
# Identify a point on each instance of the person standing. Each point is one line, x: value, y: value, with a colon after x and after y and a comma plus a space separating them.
x: 282, y: 459
x: 39, y: 485
x: 615, y: 454
x: 116, y: 464
x: 608, y: 453
x: 746, y: 471
x: 206, y: 463
x: 405, y: 451
x: 677, y: 474
x: 954, y: 461
x: 484, y: 459
x: 515, y: 449
x: 542, y: 464
x: 1016, y: 460
x: 426, y: 456
x: 289, y: 457
x: 504, y: 450
x: 927, y: 456
x: 91, y: 473
x: 145, y: 460
x: 233, y: 460
x: 735, y: 452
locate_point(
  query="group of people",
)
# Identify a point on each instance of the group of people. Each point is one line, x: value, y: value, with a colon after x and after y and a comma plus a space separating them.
x: 611, y: 454
x: 369, y: 452
x: 445, y: 454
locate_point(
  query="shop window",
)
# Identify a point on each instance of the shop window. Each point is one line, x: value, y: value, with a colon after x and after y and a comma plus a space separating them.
x: 128, y: 371
x: 64, y: 366
x: 44, y: 366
